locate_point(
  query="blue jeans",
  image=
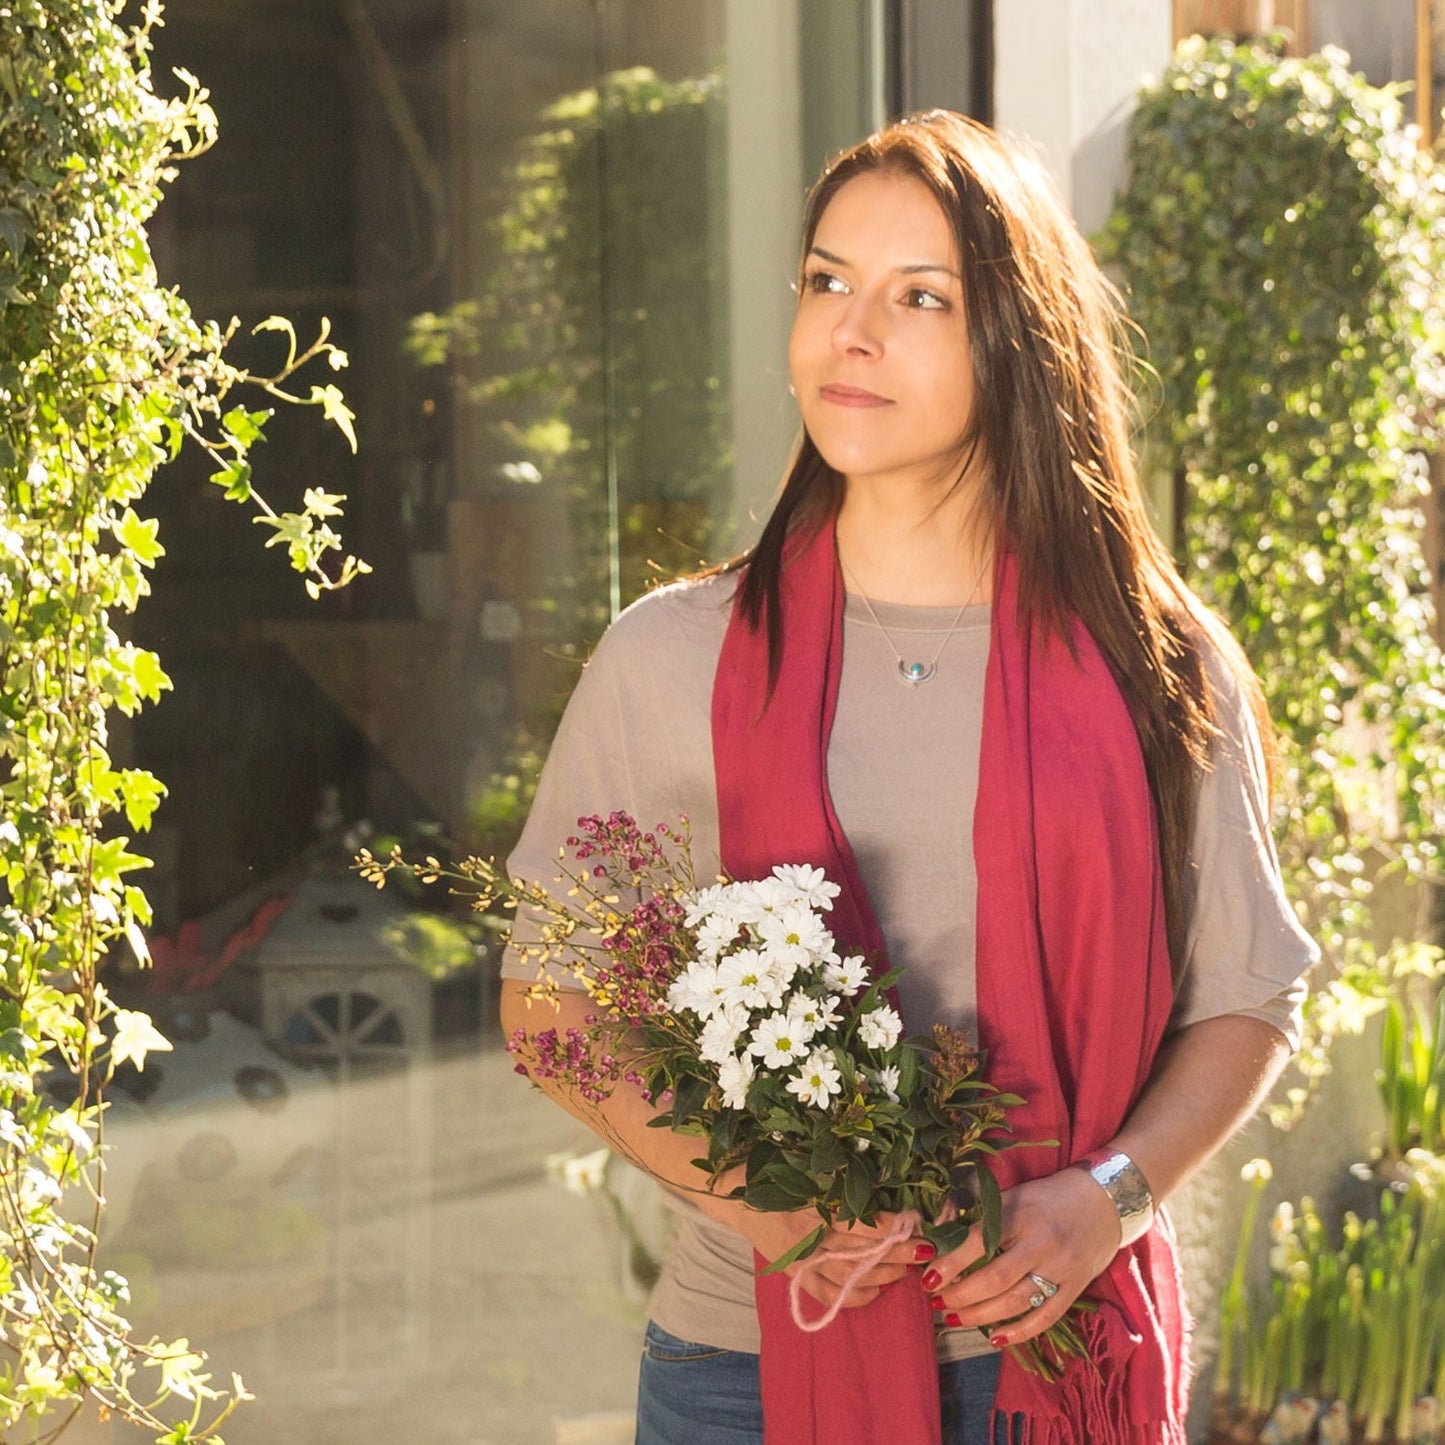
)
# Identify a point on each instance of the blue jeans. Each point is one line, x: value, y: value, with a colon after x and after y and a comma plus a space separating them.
x: 691, y: 1394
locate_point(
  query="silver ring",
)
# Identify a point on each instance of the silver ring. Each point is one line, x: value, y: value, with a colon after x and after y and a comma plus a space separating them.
x: 1035, y: 1300
x: 1047, y: 1289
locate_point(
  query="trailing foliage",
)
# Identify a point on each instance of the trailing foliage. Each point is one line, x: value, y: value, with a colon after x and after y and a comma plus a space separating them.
x: 104, y: 375
x: 1282, y: 238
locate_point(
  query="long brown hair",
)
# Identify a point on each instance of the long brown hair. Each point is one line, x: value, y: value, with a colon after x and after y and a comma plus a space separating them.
x: 1051, y: 419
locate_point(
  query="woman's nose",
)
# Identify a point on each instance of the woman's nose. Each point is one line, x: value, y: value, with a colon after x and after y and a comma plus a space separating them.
x: 859, y: 328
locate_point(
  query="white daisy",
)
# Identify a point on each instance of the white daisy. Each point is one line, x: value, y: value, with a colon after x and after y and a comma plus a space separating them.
x: 847, y: 975
x: 811, y: 884
x: 880, y: 1027
x: 796, y: 933
x: 779, y: 1040
x: 695, y: 990
x: 697, y: 906
x: 736, y: 1073
x: 746, y: 979
x: 887, y: 1080
x: 818, y: 1080
x: 720, y: 1034
x: 717, y: 932
x: 754, y: 901
x: 819, y: 1013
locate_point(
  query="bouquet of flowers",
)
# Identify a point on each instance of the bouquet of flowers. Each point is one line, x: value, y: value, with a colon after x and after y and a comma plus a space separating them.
x: 733, y: 1008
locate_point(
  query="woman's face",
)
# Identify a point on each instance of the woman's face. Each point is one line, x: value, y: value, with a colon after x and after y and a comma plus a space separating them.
x: 879, y: 354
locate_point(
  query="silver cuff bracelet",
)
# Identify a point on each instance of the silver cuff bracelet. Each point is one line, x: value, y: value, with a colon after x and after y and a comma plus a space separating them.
x: 1122, y: 1180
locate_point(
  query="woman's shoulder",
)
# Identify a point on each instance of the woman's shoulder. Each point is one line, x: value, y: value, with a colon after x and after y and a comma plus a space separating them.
x: 690, y: 614
x: 1233, y: 687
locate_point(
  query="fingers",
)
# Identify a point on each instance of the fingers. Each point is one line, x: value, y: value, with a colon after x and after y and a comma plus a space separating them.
x: 1060, y: 1231
x: 850, y: 1262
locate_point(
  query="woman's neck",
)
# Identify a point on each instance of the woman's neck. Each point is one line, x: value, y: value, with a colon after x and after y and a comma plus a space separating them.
x: 914, y: 550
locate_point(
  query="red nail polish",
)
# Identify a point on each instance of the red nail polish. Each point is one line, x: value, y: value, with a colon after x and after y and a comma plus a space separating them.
x: 932, y: 1280
x: 953, y: 1321
x: 998, y: 1341
x: 937, y: 1302
x: 923, y: 1253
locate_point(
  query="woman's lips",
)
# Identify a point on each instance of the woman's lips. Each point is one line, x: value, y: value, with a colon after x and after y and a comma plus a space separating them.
x: 841, y: 395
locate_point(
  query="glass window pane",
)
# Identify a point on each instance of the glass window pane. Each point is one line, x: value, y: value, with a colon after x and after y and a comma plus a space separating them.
x: 556, y: 240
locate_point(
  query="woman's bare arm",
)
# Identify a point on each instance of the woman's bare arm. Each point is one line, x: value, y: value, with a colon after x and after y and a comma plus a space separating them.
x: 1209, y: 1079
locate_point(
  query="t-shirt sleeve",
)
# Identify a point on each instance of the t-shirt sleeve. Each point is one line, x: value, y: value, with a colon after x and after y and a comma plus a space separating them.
x: 1245, y: 951
x: 588, y: 770
x: 634, y: 737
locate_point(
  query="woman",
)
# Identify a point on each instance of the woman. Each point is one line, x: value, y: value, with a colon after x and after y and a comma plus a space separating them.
x: 960, y: 671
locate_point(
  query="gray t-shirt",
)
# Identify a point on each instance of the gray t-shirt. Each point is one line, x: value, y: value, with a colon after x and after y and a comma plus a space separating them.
x: 902, y: 771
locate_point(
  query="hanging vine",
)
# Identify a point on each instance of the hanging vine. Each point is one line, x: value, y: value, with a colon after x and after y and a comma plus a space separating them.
x: 104, y: 376
x: 1282, y: 238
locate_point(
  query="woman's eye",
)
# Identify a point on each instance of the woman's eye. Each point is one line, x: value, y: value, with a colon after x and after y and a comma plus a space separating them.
x: 917, y: 299
x: 824, y: 283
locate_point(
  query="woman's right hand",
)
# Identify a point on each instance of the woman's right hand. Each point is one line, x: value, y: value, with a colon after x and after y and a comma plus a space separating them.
x: 830, y: 1266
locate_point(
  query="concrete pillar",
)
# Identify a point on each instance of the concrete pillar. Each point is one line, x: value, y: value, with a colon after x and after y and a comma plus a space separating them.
x: 765, y: 189
x: 1065, y: 74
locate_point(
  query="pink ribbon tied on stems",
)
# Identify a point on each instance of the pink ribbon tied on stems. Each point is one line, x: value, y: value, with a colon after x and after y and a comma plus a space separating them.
x: 865, y: 1254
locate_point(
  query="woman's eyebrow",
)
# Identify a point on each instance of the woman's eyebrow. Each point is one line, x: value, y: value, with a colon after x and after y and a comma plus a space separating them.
x: 914, y: 270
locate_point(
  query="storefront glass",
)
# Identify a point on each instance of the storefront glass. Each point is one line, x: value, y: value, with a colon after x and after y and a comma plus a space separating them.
x: 556, y: 239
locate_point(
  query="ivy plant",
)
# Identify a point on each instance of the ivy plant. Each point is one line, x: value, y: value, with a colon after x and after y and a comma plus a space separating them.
x: 1282, y: 241
x: 104, y: 375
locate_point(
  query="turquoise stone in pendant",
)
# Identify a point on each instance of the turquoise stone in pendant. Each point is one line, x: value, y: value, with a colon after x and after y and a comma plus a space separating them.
x: 914, y: 673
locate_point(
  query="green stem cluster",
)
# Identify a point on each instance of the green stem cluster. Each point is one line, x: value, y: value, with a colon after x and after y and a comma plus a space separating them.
x: 1356, y: 1315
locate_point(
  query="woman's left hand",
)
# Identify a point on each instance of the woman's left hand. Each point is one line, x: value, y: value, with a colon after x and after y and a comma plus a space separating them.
x: 1062, y: 1227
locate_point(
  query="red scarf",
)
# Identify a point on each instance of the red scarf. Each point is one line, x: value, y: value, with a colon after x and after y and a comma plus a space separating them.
x: 1073, y: 984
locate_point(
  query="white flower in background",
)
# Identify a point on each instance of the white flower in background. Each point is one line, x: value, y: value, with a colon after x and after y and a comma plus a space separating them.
x: 747, y: 980
x: 818, y: 1080
x: 818, y: 1013
x: 782, y: 971
x: 736, y: 1073
x: 697, y: 906
x: 880, y: 1028
x: 1285, y: 1254
x: 754, y: 901
x: 695, y: 990
x: 810, y: 884
x: 795, y: 933
x: 847, y: 975
x: 718, y: 931
x: 779, y: 1040
x: 887, y: 1080
x: 579, y: 1173
x: 720, y: 1034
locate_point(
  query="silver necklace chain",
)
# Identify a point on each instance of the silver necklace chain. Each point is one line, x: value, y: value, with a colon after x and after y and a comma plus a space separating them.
x: 915, y: 674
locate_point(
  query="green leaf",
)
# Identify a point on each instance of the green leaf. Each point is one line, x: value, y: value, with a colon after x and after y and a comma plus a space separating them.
x: 141, y: 792
x: 791, y: 1181
x: 767, y: 1195
x: 829, y: 1153
x: 140, y: 537
x: 990, y: 1205
x: 857, y: 1187
x: 235, y: 478
x: 801, y: 1250
x: 245, y: 427
x: 333, y: 406
x: 945, y: 1238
